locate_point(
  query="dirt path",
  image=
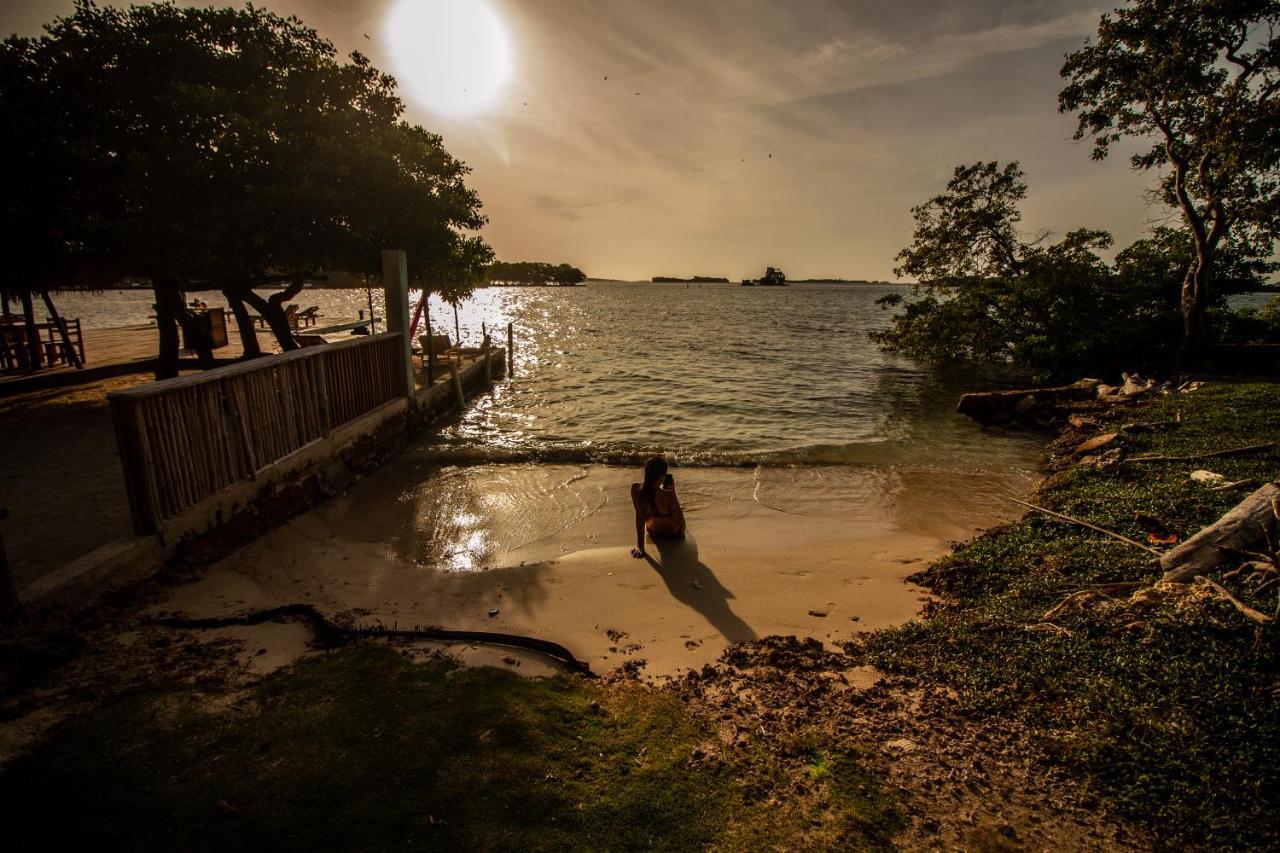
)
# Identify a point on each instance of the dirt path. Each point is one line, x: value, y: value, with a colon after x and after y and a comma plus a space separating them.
x: 60, y: 476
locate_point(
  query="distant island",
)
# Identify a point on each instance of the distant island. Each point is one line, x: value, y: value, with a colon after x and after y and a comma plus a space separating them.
x: 842, y: 281
x: 700, y: 279
x: 532, y: 274
x: 773, y: 277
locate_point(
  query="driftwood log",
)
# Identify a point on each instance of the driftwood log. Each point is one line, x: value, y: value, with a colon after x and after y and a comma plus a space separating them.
x: 986, y: 406
x: 1249, y: 526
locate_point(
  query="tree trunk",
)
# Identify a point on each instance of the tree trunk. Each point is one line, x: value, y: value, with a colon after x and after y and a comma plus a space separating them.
x: 272, y: 309
x: 169, y: 309
x: 244, y: 323
x: 1194, y: 299
x: 1249, y: 526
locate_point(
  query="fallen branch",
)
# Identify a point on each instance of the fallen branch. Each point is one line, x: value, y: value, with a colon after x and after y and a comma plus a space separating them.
x: 1150, y: 426
x: 1089, y: 525
x: 1234, y: 451
x: 1243, y: 530
x: 1079, y: 595
x: 1221, y: 592
x: 1049, y: 628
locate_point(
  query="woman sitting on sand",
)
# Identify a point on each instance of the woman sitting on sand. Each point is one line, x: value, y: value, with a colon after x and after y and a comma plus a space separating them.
x: 657, y: 507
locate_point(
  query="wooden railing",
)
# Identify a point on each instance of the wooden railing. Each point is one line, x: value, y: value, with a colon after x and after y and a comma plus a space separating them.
x: 186, y: 439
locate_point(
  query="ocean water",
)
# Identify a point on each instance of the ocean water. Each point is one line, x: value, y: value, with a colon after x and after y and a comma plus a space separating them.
x: 718, y: 375
x: 708, y: 374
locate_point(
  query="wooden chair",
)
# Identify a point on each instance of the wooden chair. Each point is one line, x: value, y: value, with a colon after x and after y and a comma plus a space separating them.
x: 309, y: 316
x: 437, y: 347
x: 54, y: 350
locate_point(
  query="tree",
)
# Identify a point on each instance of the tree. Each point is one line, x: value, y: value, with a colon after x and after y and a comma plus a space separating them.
x: 1199, y: 79
x: 221, y: 148
x: 989, y: 294
x: 531, y: 273
x: 969, y: 230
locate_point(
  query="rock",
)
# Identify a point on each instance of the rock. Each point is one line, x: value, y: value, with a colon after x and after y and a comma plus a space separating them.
x: 1107, y: 390
x: 1096, y: 442
x: 1207, y: 478
x: 493, y: 612
x: 1135, y: 385
x: 1025, y: 404
x: 901, y: 745
x: 819, y: 613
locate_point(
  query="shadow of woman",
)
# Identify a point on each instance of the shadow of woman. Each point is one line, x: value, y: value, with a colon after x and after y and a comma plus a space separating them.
x: 680, y: 569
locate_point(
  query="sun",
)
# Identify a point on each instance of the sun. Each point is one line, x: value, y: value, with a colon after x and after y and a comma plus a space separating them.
x: 451, y: 56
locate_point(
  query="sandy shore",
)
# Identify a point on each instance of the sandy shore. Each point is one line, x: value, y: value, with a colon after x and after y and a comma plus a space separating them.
x: 543, y: 551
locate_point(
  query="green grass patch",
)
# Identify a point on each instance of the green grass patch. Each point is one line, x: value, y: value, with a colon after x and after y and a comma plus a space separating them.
x: 1172, y: 715
x: 365, y: 750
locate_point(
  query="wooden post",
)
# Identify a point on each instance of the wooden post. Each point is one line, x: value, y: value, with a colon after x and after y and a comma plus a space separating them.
x: 457, y: 382
x: 430, y: 357
x: 395, y: 285
x: 511, y: 352
x: 33, y: 335
x: 484, y: 352
x: 457, y: 329
x: 10, y: 605
x: 417, y: 312
x: 70, y: 350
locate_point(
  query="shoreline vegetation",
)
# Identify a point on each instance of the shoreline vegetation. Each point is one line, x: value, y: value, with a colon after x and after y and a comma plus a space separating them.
x: 704, y: 279
x: 1045, y: 717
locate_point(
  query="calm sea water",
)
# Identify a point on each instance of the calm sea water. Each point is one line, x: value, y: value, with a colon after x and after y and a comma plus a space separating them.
x: 707, y: 374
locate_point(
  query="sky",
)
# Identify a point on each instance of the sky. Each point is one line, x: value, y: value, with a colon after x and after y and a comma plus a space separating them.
x: 731, y: 135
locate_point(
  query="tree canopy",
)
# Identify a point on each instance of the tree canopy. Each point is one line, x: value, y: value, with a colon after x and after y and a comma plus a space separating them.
x: 219, y: 147
x: 990, y: 294
x: 1199, y: 79
x: 533, y: 273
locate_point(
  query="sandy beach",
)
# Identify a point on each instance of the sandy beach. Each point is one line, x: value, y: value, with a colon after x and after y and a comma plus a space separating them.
x: 543, y: 551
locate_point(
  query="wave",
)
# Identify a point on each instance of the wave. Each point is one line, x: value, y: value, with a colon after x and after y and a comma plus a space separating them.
x: 877, y: 455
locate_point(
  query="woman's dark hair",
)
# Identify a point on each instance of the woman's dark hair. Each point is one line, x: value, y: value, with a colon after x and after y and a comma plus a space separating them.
x: 655, y: 468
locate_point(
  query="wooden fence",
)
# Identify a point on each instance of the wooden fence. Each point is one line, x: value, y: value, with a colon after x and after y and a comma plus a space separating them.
x: 186, y: 439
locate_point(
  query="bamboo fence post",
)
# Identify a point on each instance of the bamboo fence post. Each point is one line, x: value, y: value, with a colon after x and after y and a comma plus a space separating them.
x: 322, y: 386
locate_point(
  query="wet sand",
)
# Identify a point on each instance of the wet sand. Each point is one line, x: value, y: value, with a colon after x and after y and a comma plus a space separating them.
x: 542, y: 550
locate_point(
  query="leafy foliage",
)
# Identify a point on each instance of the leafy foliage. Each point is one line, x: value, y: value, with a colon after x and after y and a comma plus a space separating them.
x: 987, y: 294
x: 1199, y: 79
x: 219, y: 147
x: 969, y: 231
x: 533, y: 273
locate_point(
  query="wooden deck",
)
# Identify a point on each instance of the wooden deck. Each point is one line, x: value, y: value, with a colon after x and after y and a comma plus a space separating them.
x: 116, y: 352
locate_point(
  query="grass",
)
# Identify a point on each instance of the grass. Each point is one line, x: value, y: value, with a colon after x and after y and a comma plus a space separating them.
x: 1171, y: 712
x: 366, y: 750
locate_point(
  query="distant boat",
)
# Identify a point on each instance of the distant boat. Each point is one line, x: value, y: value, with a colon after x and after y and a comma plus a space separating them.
x: 773, y: 277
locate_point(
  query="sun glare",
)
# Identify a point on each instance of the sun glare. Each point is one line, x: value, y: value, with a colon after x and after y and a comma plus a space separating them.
x: 451, y: 56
